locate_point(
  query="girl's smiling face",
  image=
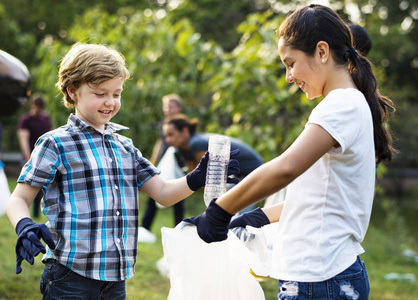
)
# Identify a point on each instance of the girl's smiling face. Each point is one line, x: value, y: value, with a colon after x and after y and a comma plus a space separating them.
x: 97, y: 104
x: 303, y: 70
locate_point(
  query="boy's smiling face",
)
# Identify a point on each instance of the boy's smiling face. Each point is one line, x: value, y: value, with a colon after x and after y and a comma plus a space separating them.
x: 97, y: 104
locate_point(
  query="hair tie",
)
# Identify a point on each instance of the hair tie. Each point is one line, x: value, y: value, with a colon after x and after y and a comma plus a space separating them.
x: 349, y: 53
x: 312, y: 5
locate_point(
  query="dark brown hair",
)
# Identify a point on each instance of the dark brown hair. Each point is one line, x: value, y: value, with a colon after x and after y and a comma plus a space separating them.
x: 181, y: 121
x: 38, y: 99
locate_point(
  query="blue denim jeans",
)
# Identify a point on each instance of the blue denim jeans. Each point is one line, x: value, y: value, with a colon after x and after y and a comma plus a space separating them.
x: 59, y: 282
x: 351, y: 284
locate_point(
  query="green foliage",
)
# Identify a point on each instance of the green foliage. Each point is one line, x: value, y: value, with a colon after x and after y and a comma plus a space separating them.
x: 12, y: 39
x: 219, y: 55
x: 169, y: 48
x: 394, y: 54
x: 251, y: 93
x: 217, y: 20
x: 393, y: 234
x: 227, y: 91
x: 161, y: 57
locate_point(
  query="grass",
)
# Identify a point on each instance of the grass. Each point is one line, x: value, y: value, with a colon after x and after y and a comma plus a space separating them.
x: 385, y: 240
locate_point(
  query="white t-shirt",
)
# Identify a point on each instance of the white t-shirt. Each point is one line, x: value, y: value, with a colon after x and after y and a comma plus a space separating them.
x: 327, y: 209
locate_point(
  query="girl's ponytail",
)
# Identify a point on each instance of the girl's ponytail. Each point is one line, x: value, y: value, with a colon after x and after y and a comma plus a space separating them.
x: 361, y: 71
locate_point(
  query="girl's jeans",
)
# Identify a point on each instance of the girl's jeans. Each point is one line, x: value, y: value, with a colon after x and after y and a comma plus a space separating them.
x: 59, y: 282
x: 352, y: 284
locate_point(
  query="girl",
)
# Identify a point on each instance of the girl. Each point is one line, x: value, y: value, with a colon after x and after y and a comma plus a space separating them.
x: 329, y: 169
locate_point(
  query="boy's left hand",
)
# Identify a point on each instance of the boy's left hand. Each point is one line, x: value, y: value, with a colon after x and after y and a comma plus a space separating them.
x: 28, y: 243
x: 197, y: 178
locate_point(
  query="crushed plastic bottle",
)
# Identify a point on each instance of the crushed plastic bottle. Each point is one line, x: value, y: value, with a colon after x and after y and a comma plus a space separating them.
x: 401, y: 277
x: 410, y: 253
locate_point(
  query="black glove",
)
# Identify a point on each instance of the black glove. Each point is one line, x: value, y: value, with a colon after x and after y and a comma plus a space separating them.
x: 255, y: 218
x: 197, y: 178
x: 28, y: 243
x: 212, y: 224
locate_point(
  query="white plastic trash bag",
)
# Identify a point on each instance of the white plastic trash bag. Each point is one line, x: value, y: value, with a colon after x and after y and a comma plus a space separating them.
x: 254, y: 239
x: 169, y: 166
x: 4, y: 191
x: 215, y: 271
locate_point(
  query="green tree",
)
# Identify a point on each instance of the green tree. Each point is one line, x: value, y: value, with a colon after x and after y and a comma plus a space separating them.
x: 252, y: 94
x: 196, y: 49
x: 217, y: 20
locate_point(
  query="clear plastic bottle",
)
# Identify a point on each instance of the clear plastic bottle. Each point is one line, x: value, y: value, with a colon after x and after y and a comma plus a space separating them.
x: 217, y: 171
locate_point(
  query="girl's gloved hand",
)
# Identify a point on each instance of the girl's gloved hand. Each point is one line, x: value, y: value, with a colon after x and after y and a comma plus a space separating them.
x: 255, y: 218
x: 212, y: 224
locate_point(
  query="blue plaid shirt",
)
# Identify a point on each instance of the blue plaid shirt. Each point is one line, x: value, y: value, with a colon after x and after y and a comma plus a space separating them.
x: 90, y: 181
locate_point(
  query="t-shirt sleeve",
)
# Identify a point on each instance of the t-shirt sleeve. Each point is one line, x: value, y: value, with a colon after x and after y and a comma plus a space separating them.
x: 24, y: 123
x: 340, y: 117
x: 49, y: 122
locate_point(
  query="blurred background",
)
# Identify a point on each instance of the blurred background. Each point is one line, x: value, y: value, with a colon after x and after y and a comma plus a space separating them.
x: 221, y: 57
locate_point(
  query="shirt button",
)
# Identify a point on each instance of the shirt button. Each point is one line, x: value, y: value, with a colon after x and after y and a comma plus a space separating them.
x: 116, y: 187
x: 118, y: 240
x: 110, y: 160
x: 117, y: 213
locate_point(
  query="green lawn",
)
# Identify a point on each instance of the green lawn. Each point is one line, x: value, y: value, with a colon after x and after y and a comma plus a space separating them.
x: 384, y: 243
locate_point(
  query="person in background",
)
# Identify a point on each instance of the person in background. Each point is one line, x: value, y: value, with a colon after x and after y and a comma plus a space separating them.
x: 90, y: 175
x: 181, y: 133
x: 329, y: 170
x: 171, y: 104
x: 31, y: 126
x: 361, y: 39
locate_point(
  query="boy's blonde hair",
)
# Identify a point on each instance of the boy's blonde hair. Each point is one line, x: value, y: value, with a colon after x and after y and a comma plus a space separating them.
x: 89, y: 63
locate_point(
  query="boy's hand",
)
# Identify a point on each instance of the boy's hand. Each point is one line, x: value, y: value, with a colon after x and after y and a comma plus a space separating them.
x: 197, y: 178
x: 212, y: 224
x: 28, y: 243
x: 255, y: 218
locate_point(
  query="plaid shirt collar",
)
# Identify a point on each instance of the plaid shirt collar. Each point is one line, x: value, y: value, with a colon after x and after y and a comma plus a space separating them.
x: 110, y: 127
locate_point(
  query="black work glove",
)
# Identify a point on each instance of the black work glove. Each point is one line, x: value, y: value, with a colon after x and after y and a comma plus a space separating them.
x: 212, y: 224
x: 197, y: 178
x: 255, y: 218
x: 28, y: 243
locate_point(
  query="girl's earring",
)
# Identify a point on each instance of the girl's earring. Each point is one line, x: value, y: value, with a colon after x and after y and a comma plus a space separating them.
x: 323, y: 60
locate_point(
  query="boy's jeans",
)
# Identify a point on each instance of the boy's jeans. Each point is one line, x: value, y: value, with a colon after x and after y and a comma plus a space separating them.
x: 352, y: 284
x: 59, y: 282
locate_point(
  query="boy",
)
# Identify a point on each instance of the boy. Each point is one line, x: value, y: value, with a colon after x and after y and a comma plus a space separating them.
x: 90, y: 176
